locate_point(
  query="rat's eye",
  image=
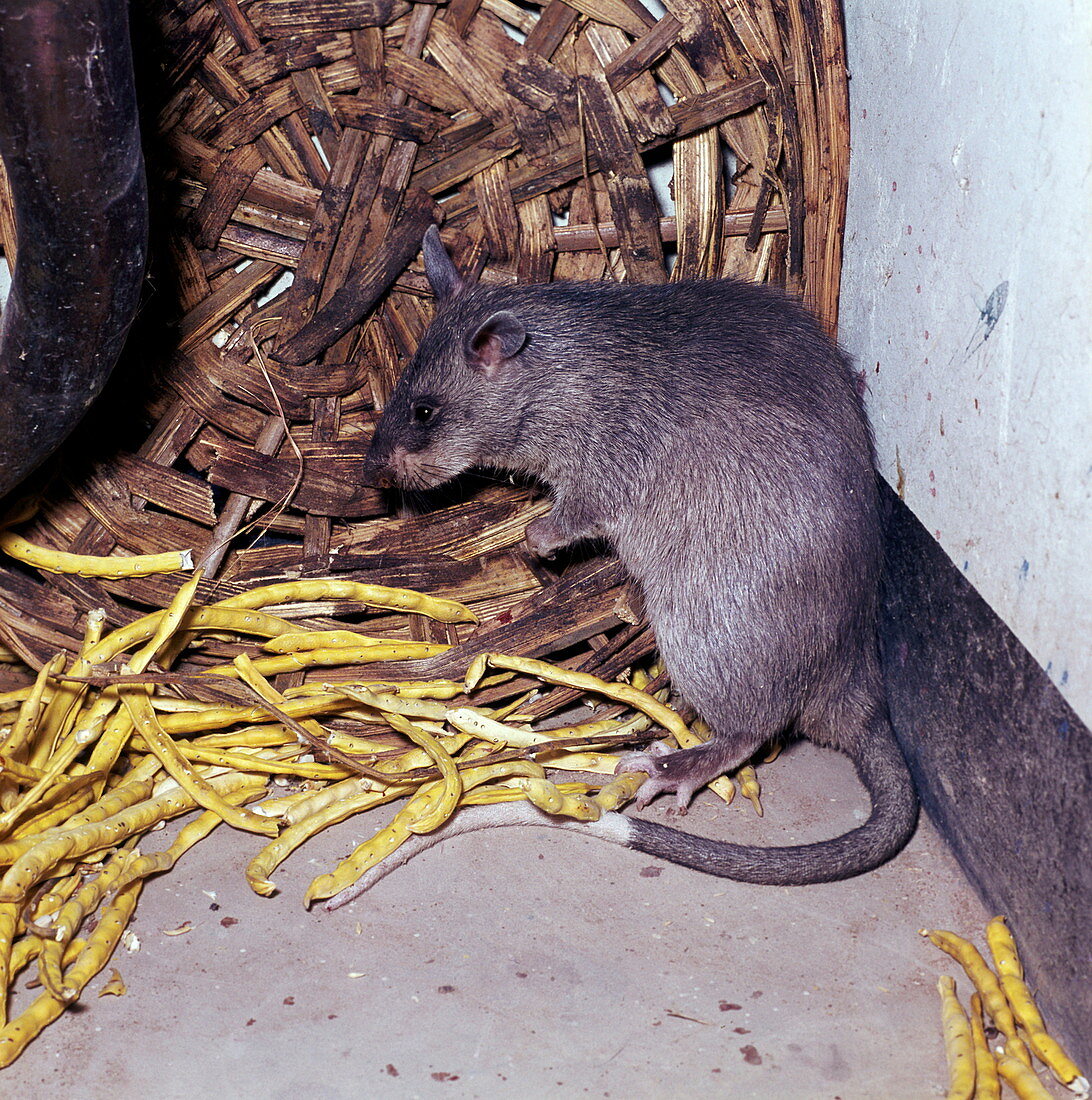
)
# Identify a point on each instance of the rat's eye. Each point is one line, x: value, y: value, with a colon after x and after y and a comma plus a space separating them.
x: 424, y: 412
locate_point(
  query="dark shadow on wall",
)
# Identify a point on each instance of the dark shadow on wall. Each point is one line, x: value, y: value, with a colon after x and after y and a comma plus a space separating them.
x: 1002, y: 763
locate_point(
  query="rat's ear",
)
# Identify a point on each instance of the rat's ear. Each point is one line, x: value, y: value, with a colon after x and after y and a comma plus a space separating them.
x: 495, y: 341
x: 443, y: 276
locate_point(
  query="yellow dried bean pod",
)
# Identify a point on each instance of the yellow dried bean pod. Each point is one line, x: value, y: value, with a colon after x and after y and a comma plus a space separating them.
x: 491, y: 794
x: 267, y: 735
x: 64, y: 703
x: 510, y: 710
x: 235, y: 789
x: 507, y: 769
x: 154, y: 863
x: 1021, y: 1078
x: 34, y: 864
x: 749, y: 787
x: 987, y: 1085
x: 276, y: 806
x: 58, y: 764
x: 250, y: 674
x: 221, y: 717
x: 471, y: 721
x: 985, y: 981
x: 214, y: 619
x: 313, y: 802
x: 93, y: 625
x: 325, y: 658
x: 385, y: 841
x: 58, y: 814
x: 451, y: 784
x: 262, y: 762
x: 124, y: 795
x: 23, y: 732
x: 52, y: 900
x: 599, y: 728
x: 1022, y: 1003
x: 136, y: 787
x: 584, y: 681
x: 374, y: 595
x: 23, y: 774
x: 101, y: 943
x: 107, y: 724
x: 169, y: 622
x: 504, y: 791
x: 179, y: 769
x: 1052, y: 1054
x: 579, y: 806
x: 14, y: 956
x: 404, y: 689
x: 1003, y: 948
x: 278, y: 850
x: 319, y: 639
x: 620, y: 790
x: 958, y: 1048
x: 542, y: 793
x: 87, y: 565
x: 598, y: 763
x: 28, y: 949
x: 13, y: 700
x: 391, y: 703
x: 1045, y: 1047
x: 275, y: 734
x: 9, y: 925
x: 68, y: 920
x: 23, y: 953
x: 394, y: 768
x: 69, y: 696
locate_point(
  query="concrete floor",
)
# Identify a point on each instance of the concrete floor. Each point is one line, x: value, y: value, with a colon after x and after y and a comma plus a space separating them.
x: 528, y: 963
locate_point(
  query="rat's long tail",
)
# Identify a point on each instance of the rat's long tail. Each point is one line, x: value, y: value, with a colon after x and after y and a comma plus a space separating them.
x: 882, y: 770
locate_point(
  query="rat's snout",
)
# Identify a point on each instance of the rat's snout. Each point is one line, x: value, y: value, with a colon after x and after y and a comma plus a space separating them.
x: 395, y: 466
x: 378, y: 478
x: 378, y: 471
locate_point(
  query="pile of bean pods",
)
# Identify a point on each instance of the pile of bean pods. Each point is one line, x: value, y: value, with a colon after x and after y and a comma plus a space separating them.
x: 104, y: 747
x: 975, y: 1070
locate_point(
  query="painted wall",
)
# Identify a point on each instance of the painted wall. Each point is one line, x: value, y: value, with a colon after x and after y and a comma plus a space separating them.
x: 967, y: 295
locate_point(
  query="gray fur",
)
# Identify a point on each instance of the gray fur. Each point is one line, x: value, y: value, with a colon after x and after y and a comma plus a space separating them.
x: 715, y: 437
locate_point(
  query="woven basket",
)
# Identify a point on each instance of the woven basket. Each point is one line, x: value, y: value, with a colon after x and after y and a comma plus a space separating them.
x: 318, y: 139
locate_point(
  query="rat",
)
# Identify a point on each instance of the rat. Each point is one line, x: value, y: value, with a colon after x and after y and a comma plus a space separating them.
x: 714, y: 436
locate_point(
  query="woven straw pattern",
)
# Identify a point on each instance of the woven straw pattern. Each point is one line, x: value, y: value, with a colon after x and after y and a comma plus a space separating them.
x: 318, y: 139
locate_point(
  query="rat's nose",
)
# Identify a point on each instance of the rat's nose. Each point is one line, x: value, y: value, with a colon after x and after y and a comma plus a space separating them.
x: 378, y: 478
x: 377, y: 473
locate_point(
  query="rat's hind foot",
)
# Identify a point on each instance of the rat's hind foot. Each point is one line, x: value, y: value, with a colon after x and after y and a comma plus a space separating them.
x: 647, y: 760
x: 683, y: 771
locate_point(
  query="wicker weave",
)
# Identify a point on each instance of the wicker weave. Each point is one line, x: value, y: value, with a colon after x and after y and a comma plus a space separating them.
x: 530, y: 130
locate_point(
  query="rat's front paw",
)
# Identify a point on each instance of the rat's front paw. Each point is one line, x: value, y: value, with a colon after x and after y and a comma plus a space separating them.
x: 543, y: 539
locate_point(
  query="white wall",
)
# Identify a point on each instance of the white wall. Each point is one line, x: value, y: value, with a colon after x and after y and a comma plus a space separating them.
x: 967, y: 294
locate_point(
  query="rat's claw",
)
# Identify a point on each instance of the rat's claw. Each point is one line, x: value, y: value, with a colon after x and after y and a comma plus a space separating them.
x: 654, y: 760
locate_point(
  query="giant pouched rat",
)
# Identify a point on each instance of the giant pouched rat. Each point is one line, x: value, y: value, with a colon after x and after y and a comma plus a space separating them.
x: 715, y: 437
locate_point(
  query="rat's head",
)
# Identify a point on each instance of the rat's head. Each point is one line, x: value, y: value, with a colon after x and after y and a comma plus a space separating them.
x: 453, y: 406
